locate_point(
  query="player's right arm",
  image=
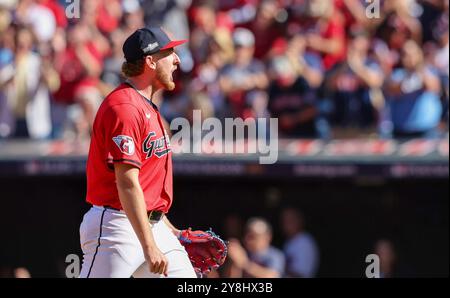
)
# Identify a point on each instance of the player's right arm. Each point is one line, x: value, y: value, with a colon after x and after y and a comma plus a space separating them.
x: 132, y: 200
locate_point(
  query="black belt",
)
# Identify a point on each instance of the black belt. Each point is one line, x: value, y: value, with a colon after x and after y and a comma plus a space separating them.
x: 153, y: 215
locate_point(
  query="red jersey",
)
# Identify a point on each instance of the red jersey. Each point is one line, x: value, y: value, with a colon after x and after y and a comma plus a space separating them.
x: 128, y: 129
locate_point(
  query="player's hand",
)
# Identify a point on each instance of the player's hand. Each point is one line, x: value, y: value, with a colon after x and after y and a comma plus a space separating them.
x: 156, y: 260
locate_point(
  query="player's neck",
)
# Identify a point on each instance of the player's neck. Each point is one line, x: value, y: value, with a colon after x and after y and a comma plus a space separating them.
x: 144, y: 88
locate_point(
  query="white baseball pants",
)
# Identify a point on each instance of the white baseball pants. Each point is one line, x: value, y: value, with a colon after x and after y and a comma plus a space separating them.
x: 111, y: 248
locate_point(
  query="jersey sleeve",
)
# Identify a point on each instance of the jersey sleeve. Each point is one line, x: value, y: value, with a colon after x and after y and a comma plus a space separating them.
x: 122, y: 135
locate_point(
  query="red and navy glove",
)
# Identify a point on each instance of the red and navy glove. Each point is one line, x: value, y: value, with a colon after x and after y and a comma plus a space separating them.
x: 206, y: 250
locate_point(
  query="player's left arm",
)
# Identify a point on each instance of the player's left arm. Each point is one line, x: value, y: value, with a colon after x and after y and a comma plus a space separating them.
x: 174, y: 230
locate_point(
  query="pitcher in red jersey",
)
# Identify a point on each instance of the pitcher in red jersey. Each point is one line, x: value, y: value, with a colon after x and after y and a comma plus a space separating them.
x: 129, y: 171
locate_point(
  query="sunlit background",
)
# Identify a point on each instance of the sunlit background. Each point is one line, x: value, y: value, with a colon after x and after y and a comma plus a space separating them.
x: 360, y: 90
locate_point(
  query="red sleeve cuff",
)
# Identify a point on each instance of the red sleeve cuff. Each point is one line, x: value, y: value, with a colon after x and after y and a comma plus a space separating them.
x: 111, y: 161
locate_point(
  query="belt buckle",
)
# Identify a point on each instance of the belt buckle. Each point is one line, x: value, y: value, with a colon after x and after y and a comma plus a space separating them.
x: 155, y: 216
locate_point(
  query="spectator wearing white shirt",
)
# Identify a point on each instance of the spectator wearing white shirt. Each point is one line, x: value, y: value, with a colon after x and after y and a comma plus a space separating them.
x: 301, y: 251
x: 26, y: 81
x: 39, y: 17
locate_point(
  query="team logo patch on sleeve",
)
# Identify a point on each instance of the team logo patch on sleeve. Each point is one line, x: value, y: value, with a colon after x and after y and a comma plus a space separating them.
x: 125, y: 144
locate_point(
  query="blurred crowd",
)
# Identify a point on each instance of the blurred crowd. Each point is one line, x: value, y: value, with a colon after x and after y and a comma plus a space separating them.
x: 324, y: 68
x: 252, y: 254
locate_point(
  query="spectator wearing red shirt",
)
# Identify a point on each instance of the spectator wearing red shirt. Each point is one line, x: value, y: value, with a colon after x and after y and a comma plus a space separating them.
x: 79, y: 66
x: 328, y: 36
x: 107, y: 14
x: 353, y: 12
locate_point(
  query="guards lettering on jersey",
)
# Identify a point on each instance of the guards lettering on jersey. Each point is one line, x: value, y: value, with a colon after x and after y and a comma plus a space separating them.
x: 159, y: 147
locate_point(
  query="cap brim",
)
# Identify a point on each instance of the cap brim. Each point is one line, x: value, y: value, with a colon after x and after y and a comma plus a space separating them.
x: 173, y: 43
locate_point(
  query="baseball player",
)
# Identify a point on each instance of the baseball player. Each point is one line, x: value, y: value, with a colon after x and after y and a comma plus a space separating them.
x: 129, y: 172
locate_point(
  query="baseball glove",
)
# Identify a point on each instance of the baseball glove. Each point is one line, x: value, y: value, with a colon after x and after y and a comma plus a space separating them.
x: 206, y: 250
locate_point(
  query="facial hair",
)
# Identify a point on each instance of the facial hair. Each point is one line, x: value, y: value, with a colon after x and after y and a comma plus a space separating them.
x: 164, y: 79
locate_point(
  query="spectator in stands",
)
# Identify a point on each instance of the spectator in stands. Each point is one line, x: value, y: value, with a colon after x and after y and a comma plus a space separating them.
x: 398, y: 23
x: 258, y: 259
x: 223, y: 84
x: 112, y: 68
x: 356, y: 85
x: 353, y: 12
x: 295, y: 77
x: 205, y: 83
x: 26, y: 87
x: 388, y: 258
x: 21, y: 272
x: 436, y: 55
x: 301, y: 251
x: 57, y: 10
x: 6, y: 117
x: 441, y: 59
x: 7, y: 33
x: 132, y: 20
x: 205, y: 22
x: 327, y: 34
x: 79, y: 65
x: 100, y: 18
x: 38, y: 17
x: 244, y: 80
x: 18, y: 272
x: 133, y: 17
x: 265, y: 25
x: 413, y: 96
x: 172, y: 16
x: 102, y: 15
x: 177, y: 24
x: 156, y: 12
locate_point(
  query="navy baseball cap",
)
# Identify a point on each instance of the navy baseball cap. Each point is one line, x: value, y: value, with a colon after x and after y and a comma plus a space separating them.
x: 147, y: 41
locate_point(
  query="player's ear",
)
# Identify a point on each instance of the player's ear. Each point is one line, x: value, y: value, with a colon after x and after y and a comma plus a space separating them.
x: 151, y: 62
